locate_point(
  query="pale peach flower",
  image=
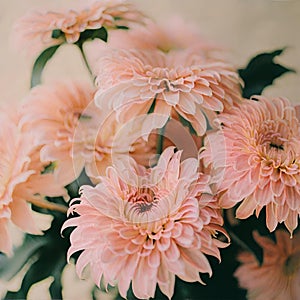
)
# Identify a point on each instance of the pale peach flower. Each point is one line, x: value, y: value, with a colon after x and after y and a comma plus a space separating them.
x: 147, y: 225
x: 74, y: 134
x: 52, y: 113
x: 113, y: 140
x: 35, y: 29
x: 255, y: 159
x: 172, y: 34
x: 278, y: 278
x: 134, y: 80
x: 22, y: 180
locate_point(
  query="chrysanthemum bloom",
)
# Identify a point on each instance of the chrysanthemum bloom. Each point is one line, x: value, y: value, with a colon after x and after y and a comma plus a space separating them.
x: 255, y: 156
x: 278, y: 278
x: 22, y: 180
x: 73, y: 133
x: 52, y: 113
x: 136, y: 80
x: 35, y: 29
x: 113, y: 140
x: 173, y: 34
x: 147, y: 225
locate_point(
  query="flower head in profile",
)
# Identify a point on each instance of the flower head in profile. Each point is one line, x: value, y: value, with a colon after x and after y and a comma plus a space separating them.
x: 137, y: 80
x: 146, y: 225
x: 255, y: 157
x: 52, y: 113
x: 37, y: 29
x: 22, y: 181
x: 278, y: 276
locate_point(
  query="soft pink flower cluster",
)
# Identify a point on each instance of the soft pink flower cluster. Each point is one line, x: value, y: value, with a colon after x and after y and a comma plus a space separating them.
x: 35, y: 29
x: 254, y: 158
x: 22, y: 180
x: 152, y: 212
x: 147, y: 226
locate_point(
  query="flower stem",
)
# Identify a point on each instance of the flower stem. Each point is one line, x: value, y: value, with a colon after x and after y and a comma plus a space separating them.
x: 160, y: 142
x: 49, y: 205
x: 80, y: 46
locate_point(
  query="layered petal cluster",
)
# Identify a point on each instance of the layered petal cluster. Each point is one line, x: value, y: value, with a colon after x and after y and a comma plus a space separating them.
x: 22, y: 180
x: 73, y: 133
x: 35, y: 29
x: 144, y: 226
x: 137, y: 80
x: 53, y: 113
x: 255, y: 158
x: 279, y: 275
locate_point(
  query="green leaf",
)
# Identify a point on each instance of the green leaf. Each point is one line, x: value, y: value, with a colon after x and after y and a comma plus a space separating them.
x: 57, y: 33
x: 49, y: 168
x: 91, y: 34
x: 152, y: 107
x: 260, y: 72
x: 10, y: 266
x: 40, y: 64
x: 186, y: 123
x: 50, y: 259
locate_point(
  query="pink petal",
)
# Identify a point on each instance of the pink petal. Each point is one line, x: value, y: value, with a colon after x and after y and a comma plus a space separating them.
x: 5, y: 241
x: 21, y: 215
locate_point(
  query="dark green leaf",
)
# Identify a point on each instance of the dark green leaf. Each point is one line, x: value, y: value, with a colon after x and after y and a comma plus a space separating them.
x: 50, y: 259
x: 49, y: 168
x: 57, y: 33
x: 91, y: 34
x: 260, y: 72
x: 40, y: 64
x: 122, y: 27
x: 186, y: 123
x: 152, y: 107
x: 10, y: 266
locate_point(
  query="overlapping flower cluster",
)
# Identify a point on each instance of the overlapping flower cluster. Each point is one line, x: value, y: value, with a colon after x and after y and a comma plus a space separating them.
x: 151, y: 212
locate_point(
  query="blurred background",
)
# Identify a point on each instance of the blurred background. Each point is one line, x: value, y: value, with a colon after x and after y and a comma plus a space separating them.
x: 244, y: 27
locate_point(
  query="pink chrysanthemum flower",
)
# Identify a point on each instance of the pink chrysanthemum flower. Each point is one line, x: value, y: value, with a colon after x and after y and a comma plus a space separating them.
x: 255, y: 159
x: 147, y: 225
x: 112, y: 140
x: 52, y: 113
x: 278, y: 278
x: 21, y: 181
x: 190, y: 85
x: 35, y: 29
x: 173, y: 34
x: 73, y: 133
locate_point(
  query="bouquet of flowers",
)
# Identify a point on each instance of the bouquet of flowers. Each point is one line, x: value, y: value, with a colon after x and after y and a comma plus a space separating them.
x: 168, y: 176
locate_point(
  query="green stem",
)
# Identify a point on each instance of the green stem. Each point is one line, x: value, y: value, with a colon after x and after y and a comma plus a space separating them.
x: 85, y: 59
x: 160, y: 142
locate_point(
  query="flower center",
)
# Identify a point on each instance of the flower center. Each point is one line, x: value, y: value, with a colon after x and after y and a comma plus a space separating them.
x: 275, y: 143
x: 143, y: 200
x: 276, y: 146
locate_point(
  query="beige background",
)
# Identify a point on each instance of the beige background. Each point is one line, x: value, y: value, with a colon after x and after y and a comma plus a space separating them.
x: 245, y: 27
